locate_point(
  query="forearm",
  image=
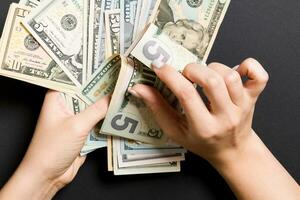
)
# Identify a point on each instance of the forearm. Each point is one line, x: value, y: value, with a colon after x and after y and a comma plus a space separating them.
x: 28, y: 184
x: 256, y: 174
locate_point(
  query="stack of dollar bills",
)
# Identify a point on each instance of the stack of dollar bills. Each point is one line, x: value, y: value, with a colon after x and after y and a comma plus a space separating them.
x: 87, y: 49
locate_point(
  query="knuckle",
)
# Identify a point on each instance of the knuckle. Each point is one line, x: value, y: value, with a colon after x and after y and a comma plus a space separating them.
x: 160, y: 74
x: 263, y: 78
x: 76, y: 128
x: 189, y: 68
x: 262, y: 75
x: 153, y: 105
x: 232, y: 77
x: 150, y: 96
x: 209, y: 135
x: 232, y: 124
x: 165, y: 70
x: 251, y: 62
x: 214, y: 64
x: 185, y: 94
x: 213, y: 81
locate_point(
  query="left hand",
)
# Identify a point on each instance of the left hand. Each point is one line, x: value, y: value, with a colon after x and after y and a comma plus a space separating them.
x: 52, y: 159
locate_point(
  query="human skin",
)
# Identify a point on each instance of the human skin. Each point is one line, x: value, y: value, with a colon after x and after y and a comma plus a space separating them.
x: 52, y: 160
x: 222, y: 134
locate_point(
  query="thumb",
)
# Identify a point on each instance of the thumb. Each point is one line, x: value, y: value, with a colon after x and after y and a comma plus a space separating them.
x: 93, y: 114
x: 168, y: 119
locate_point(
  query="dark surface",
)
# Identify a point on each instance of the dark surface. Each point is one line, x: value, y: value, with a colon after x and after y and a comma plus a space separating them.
x: 267, y: 30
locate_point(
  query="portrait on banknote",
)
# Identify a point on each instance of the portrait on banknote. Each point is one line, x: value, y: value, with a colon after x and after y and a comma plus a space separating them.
x: 57, y: 74
x: 74, y: 64
x: 186, y: 32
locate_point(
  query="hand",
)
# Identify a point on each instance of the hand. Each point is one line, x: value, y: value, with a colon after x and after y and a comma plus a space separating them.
x: 219, y: 132
x: 59, y: 137
x: 52, y: 159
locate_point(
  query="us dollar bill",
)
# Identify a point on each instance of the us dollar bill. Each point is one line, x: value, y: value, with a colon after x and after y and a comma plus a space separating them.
x: 128, y: 17
x: 132, y: 153
x: 112, y: 46
x: 103, y: 82
x: 146, y: 11
x: 30, y: 3
x: 134, y: 160
x: 106, y: 5
x: 57, y: 26
x: 128, y: 160
x: 94, y: 140
x: 85, y: 34
x: 116, y: 4
x: 158, y: 46
x: 141, y: 169
x: 95, y: 11
x: 22, y: 57
x: 190, y: 24
x: 138, y: 14
x: 133, y: 147
x: 127, y: 116
x: 112, y: 23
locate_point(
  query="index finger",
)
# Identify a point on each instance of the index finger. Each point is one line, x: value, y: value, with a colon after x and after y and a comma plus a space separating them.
x: 185, y: 91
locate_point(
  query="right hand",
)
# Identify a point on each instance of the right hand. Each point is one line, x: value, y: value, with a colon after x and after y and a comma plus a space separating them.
x: 219, y: 133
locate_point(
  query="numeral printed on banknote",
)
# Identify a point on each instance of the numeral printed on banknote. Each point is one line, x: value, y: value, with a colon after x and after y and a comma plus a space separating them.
x: 129, y: 117
x: 30, y: 3
x: 112, y: 23
x: 190, y: 24
x: 100, y: 56
x: 23, y: 58
x: 57, y: 26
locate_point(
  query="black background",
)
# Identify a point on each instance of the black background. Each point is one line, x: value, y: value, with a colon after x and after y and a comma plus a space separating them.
x: 268, y: 30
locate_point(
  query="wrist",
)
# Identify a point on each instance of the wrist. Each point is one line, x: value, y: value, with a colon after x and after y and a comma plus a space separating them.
x: 251, y: 149
x: 41, y: 185
x: 253, y: 172
x: 29, y: 183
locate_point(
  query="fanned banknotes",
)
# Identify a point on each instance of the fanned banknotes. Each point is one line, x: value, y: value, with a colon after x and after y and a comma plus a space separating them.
x: 22, y: 57
x: 74, y: 46
x: 190, y: 24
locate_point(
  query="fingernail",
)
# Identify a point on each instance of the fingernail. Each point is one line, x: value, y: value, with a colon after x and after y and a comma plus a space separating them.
x: 236, y: 67
x: 134, y: 93
x: 157, y: 64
